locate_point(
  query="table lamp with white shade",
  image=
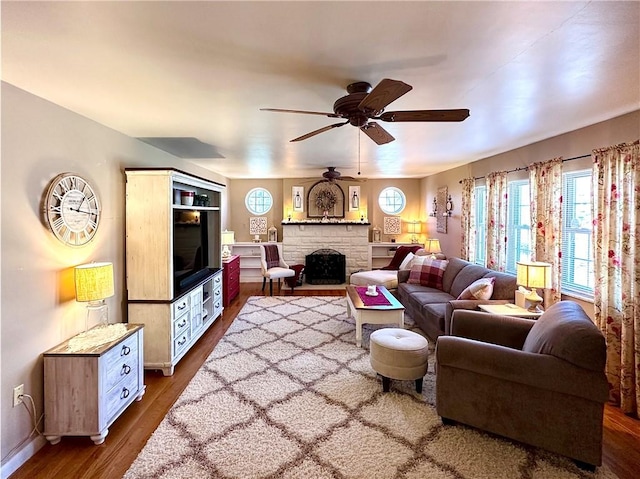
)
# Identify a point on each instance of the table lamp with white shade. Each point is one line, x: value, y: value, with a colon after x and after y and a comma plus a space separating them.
x: 432, y: 246
x: 228, y: 237
x: 94, y: 283
x: 533, y: 274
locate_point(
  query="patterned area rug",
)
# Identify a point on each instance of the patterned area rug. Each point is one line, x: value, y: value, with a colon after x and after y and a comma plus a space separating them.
x: 287, y: 394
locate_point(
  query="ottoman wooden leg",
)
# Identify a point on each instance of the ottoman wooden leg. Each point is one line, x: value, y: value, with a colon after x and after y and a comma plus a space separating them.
x: 386, y: 383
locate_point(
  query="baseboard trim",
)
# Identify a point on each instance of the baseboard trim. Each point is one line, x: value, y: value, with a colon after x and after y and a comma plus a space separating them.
x: 22, y: 456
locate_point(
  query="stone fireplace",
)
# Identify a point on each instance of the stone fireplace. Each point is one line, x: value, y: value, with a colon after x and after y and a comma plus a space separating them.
x: 350, y: 239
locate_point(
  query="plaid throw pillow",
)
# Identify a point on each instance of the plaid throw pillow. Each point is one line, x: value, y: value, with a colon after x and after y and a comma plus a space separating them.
x: 427, y: 272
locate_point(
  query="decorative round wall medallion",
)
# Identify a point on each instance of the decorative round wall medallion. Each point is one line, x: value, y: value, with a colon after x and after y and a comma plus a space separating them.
x: 72, y: 209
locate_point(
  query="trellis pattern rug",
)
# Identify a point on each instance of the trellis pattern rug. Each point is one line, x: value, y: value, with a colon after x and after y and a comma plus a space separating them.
x: 287, y: 394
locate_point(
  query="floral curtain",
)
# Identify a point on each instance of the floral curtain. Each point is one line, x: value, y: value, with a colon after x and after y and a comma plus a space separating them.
x: 497, y: 220
x: 468, y: 220
x: 616, y: 237
x: 545, y: 179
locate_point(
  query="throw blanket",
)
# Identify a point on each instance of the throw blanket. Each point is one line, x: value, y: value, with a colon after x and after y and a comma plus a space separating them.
x: 400, y: 254
x: 271, y: 255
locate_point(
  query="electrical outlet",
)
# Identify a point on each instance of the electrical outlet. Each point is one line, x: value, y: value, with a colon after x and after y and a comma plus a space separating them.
x: 18, y: 391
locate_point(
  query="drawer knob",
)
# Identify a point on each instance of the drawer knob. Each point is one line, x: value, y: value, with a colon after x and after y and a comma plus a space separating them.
x: 183, y: 323
x: 184, y: 340
x: 126, y: 369
x: 124, y: 394
x: 125, y: 351
x: 182, y: 306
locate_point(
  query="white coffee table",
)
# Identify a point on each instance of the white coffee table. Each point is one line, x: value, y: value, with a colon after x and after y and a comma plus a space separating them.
x: 392, y: 313
x: 509, y: 310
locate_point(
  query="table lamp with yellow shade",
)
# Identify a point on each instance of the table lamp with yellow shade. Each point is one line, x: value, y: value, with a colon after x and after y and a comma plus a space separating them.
x: 432, y: 246
x: 533, y: 274
x: 94, y: 283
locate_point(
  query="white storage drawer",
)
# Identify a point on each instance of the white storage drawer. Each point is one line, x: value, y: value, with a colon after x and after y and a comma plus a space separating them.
x: 121, y: 361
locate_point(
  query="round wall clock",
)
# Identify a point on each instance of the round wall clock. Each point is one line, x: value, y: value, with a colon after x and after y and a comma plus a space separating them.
x: 71, y: 209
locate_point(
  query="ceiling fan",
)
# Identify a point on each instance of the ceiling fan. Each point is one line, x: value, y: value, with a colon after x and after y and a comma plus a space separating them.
x: 363, y: 104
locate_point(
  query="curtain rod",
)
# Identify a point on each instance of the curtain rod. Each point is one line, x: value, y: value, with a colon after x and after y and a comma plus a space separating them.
x: 525, y: 168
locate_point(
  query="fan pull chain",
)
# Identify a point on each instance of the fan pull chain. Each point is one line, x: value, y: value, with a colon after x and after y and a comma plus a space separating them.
x: 358, y: 151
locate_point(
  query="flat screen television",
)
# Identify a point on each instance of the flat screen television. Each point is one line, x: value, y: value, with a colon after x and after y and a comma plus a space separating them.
x: 190, y: 249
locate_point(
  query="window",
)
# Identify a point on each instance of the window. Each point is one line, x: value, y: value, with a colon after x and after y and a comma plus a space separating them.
x: 258, y: 201
x: 518, y: 224
x: 392, y: 200
x: 481, y: 225
x: 577, y: 249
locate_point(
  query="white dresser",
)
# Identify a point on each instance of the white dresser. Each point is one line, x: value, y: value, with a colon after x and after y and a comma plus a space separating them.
x: 86, y: 390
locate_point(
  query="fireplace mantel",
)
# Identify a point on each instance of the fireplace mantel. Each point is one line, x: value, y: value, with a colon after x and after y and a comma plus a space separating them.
x: 325, y: 223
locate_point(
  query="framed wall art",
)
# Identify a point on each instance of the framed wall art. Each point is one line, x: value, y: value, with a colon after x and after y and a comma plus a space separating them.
x: 258, y: 225
x: 297, y: 199
x: 392, y: 225
x: 354, y: 198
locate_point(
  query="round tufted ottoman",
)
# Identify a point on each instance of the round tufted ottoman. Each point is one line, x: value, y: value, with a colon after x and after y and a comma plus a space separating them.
x: 399, y: 354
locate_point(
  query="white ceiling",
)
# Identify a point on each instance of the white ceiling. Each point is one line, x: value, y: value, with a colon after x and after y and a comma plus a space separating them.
x: 526, y: 70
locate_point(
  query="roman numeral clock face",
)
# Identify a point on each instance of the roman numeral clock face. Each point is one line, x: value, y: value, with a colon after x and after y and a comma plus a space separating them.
x: 72, y: 211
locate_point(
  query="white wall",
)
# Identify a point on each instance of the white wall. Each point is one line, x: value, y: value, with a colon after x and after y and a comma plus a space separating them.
x: 580, y: 142
x: 38, y: 310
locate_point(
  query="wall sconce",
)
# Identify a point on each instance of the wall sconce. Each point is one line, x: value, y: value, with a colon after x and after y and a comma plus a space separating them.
x: 434, y: 208
x: 448, y: 207
x: 94, y: 283
x: 413, y: 227
x: 228, y: 237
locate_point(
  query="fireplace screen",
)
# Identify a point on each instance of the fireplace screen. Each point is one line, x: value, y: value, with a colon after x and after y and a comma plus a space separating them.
x: 325, y: 266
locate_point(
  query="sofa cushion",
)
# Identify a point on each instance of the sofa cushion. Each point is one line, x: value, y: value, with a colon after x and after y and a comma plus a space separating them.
x: 453, y: 268
x: 565, y: 331
x: 379, y: 277
x: 467, y: 275
x: 435, y: 313
x: 427, y: 271
x: 479, y: 289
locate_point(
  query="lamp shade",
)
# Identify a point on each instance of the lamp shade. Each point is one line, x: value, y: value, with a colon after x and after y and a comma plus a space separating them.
x: 228, y: 237
x: 432, y: 246
x: 94, y: 281
x: 413, y: 227
x: 533, y: 274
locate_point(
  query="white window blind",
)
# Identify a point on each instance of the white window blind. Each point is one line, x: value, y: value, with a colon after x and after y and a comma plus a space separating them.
x: 577, y: 249
x: 518, y: 224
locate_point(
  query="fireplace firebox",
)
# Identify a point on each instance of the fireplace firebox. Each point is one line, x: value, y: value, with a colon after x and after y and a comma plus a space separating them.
x: 325, y: 266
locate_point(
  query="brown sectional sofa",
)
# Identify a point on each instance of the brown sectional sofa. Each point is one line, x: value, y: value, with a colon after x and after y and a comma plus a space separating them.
x: 431, y: 308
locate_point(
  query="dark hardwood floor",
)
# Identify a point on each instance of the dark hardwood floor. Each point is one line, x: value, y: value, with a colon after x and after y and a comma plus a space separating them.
x: 79, y: 458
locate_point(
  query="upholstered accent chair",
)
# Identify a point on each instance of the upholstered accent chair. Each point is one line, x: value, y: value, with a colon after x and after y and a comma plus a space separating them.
x: 538, y: 382
x: 273, y: 266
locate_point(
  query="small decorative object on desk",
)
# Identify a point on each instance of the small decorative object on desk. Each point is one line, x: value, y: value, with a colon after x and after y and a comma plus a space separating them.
x: 371, y: 290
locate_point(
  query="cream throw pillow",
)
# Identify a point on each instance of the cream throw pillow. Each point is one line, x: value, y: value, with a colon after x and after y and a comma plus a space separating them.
x: 479, y: 289
x: 406, y: 262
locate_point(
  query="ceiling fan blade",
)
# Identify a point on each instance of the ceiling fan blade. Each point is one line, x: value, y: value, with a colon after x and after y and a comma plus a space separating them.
x: 305, y: 112
x: 425, y: 115
x: 384, y: 93
x: 377, y: 133
x: 321, y: 130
